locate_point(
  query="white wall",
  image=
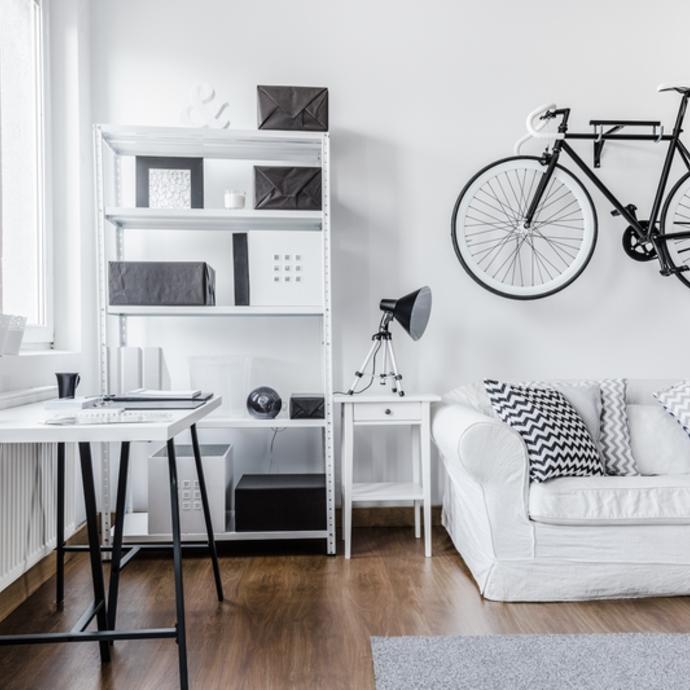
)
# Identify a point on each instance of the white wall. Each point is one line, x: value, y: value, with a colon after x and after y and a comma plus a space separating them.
x: 422, y: 95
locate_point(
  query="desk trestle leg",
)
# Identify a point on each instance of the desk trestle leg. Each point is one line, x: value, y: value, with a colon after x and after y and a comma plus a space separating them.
x: 94, y: 544
x: 177, y: 563
x: 60, y: 523
x: 207, y: 513
x: 116, y: 562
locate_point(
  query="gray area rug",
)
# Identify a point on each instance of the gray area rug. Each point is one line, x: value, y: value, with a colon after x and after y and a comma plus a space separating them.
x: 584, y: 662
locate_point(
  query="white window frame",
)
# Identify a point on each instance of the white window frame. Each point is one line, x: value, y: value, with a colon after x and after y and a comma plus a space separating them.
x: 41, y: 337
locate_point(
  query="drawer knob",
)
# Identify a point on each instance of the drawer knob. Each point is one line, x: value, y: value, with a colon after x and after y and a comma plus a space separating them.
x: 389, y: 411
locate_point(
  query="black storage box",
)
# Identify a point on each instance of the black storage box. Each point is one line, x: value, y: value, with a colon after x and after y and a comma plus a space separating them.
x: 292, y: 107
x: 307, y: 407
x: 287, y: 188
x: 280, y: 502
x: 169, y: 283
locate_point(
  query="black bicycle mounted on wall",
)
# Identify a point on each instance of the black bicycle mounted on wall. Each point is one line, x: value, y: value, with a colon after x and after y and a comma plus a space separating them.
x: 525, y: 227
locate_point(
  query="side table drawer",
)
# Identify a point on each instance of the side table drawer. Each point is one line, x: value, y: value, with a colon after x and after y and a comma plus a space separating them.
x: 388, y: 412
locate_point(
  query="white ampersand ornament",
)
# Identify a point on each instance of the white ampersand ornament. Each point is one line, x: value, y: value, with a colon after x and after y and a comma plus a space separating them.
x: 205, y: 110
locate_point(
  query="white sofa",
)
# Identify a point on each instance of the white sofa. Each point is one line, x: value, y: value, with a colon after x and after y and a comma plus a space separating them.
x: 570, y: 538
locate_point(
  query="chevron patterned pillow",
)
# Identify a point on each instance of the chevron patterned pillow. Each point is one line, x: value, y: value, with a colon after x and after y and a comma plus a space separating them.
x: 558, y: 443
x: 615, y: 433
x: 676, y: 401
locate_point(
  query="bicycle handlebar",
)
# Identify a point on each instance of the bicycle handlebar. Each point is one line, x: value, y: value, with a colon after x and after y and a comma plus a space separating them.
x: 535, y: 122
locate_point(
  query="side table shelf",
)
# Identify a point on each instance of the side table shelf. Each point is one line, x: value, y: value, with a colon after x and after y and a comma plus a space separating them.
x: 387, y: 491
x: 388, y: 410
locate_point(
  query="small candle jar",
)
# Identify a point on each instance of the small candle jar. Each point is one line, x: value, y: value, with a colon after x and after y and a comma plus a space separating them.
x: 234, y: 199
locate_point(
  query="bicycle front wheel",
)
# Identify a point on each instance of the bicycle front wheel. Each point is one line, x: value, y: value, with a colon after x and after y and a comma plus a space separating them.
x: 495, y: 248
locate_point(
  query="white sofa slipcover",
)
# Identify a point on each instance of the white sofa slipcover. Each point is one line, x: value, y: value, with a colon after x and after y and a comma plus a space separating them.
x: 571, y: 538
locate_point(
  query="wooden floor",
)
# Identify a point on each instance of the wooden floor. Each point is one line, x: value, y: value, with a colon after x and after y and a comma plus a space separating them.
x: 295, y: 619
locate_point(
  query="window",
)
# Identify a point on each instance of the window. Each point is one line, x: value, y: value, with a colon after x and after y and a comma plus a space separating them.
x: 24, y: 269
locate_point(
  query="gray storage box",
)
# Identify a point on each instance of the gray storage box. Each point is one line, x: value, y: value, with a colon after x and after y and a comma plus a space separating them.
x: 169, y: 283
x: 218, y: 471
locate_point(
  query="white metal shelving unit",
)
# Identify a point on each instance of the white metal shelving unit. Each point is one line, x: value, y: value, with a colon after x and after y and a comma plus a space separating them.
x: 113, y: 222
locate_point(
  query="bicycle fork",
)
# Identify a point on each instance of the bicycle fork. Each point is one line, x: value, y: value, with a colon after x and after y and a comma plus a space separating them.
x: 550, y: 160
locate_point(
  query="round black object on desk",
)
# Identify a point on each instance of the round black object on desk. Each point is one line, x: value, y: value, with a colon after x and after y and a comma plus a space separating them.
x: 264, y: 403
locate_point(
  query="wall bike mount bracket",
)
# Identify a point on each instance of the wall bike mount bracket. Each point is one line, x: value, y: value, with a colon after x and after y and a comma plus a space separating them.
x: 601, y: 134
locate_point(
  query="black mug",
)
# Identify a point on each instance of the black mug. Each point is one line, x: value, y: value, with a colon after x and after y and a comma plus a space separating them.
x: 67, y: 384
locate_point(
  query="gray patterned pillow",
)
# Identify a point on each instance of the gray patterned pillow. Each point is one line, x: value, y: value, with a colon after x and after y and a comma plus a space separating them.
x: 615, y: 433
x: 676, y: 401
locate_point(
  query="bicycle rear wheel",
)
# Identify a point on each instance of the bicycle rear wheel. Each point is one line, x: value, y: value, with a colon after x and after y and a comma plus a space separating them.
x: 503, y: 256
x: 675, y: 218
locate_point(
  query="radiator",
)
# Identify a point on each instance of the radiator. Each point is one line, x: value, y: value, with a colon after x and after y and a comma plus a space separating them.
x: 28, y: 500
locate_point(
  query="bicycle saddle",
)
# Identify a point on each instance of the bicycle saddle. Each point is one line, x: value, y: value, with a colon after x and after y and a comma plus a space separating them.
x: 680, y: 88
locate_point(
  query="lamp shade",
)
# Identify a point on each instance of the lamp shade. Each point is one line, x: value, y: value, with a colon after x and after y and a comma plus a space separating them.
x: 412, y: 311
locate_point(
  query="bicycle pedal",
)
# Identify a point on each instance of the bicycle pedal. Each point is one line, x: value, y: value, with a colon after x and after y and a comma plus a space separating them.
x: 631, y: 207
x: 674, y: 271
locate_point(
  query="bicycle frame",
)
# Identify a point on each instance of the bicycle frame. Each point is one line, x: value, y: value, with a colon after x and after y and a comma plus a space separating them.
x: 675, y: 146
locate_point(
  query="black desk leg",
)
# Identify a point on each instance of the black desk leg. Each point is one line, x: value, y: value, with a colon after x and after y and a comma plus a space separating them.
x: 94, y: 544
x: 207, y: 513
x: 117, y: 537
x: 177, y: 565
x: 60, y: 522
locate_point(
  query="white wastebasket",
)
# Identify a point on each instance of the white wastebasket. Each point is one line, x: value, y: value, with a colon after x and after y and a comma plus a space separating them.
x: 218, y: 471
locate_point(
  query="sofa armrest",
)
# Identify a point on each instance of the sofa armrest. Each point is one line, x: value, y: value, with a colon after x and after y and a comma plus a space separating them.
x: 494, y: 456
x: 489, y: 450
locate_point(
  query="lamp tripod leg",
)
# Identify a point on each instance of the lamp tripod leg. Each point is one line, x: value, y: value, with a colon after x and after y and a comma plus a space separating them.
x: 360, y: 372
x: 397, y: 377
x: 383, y: 376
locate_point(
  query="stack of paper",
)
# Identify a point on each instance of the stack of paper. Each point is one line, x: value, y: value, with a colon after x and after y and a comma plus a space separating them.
x: 153, y: 394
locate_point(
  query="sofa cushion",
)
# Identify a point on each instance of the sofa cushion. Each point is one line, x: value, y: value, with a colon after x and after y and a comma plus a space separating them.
x: 659, y: 444
x: 611, y: 500
x: 472, y: 395
x: 641, y: 391
x: 557, y: 441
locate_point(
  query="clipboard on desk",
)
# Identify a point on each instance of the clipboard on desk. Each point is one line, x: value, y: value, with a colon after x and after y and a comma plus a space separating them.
x: 158, y: 402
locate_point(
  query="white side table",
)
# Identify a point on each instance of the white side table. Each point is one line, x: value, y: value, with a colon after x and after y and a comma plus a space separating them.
x: 388, y: 410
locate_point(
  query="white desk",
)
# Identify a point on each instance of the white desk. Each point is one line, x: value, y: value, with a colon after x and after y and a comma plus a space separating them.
x: 26, y: 424
x: 388, y: 410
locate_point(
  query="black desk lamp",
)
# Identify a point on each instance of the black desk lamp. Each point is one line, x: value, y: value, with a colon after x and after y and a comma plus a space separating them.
x: 412, y: 313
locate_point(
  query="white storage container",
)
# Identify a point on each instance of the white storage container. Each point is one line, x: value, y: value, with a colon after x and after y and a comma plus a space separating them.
x: 218, y: 471
x: 11, y: 333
